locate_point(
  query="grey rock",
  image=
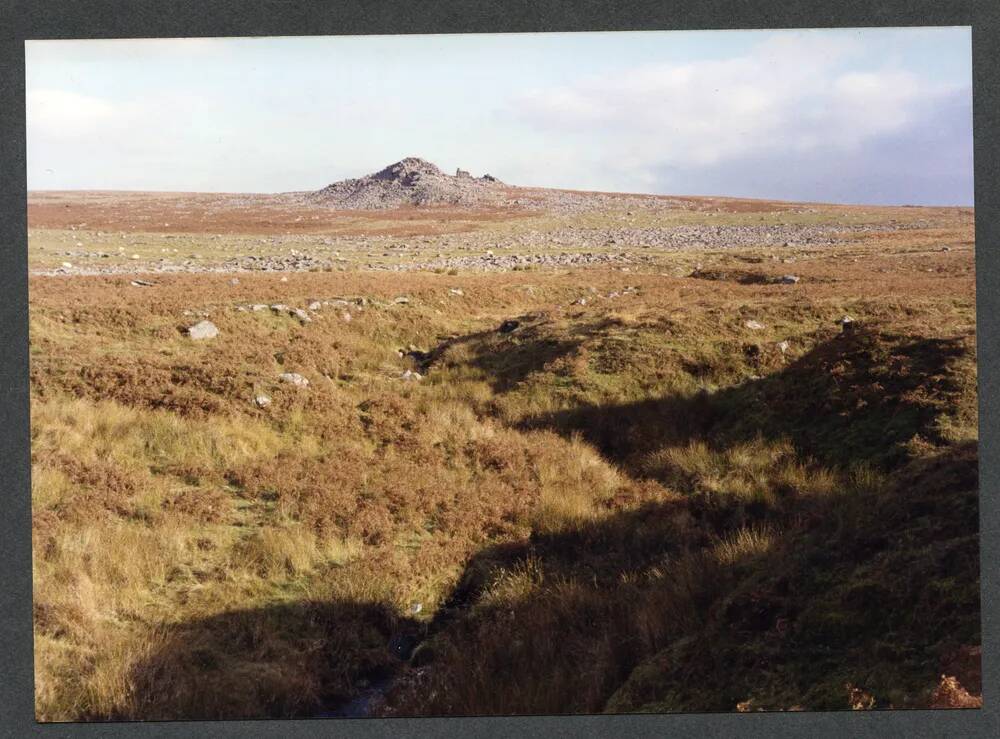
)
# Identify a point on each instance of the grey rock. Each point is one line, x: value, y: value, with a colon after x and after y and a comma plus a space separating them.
x: 203, y: 330
x: 294, y: 378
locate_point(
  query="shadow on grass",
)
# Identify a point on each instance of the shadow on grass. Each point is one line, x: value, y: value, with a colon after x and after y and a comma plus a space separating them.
x: 851, y: 399
x: 507, y: 359
x: 688, y: 602
x: 651, y: 610
x: 702, y: 602
x: 288, y: 660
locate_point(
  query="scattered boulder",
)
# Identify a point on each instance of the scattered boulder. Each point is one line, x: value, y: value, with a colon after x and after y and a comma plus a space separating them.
x: 315, y: 305
x: 301, y: 315
x: 411, y: 375
x: 847, y: 325
x: 257, y: 307
x: 203, y: 330
x: 279, y: 308
x: 262, y: 401
x: 509, y: 325
x: 294, y: 378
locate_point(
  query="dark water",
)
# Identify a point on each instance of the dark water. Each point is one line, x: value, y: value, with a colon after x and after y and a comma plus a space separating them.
x: 361, y: 705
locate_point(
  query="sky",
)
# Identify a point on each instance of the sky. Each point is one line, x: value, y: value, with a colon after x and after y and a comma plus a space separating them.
x: 879, y: 116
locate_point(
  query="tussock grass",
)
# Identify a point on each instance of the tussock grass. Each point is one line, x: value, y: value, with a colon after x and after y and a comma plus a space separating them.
x: 634, y: 505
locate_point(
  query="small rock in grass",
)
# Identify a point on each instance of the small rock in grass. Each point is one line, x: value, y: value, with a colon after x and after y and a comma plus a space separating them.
x: 789, y: 279
x: 301, y: 315
x: 315, y: 305
x: 67, y: 265
x: 783, y: 346
x: 847, y: 324
x: 294, y: 378
x: 754, y: 325
x: 456, y: 291
x: 256, y: 307
x: 142, y: 283
x: 509, y: 325
x: 262, y: 401
x: 401, y: 300
x: 203, y: 330
x: 411, y: 375
x: 279, y: 307
x: 346, y: 316
x: 235, y: 281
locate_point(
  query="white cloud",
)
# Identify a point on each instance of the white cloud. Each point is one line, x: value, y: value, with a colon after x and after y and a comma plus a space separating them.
x: 788, y: 93
x: 60, y: 113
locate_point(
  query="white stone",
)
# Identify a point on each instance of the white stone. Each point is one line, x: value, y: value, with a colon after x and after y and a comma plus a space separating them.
x: 203, y: 330
x: 294, y: 378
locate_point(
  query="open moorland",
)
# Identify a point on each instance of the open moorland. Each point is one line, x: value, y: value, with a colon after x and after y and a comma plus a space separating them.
x: 417, y: 444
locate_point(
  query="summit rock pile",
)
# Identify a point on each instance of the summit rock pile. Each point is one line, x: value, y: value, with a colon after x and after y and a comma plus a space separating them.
x: 412, y: 181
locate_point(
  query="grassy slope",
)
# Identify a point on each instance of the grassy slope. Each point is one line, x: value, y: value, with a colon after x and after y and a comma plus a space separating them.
x: 637, y: 504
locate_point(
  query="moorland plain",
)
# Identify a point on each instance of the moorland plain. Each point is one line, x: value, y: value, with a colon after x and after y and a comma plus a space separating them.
x: 552, y: 453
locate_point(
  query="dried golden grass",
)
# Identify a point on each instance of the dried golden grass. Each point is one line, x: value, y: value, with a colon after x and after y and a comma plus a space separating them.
x: 186, y: 541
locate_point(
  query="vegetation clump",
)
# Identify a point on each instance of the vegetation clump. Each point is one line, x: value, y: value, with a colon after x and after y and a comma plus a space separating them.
x: 636, y: 503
